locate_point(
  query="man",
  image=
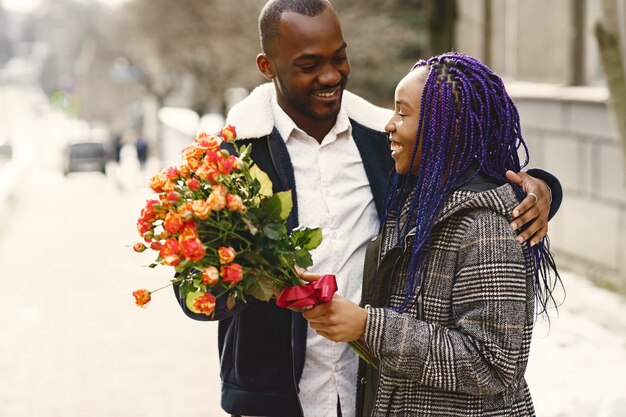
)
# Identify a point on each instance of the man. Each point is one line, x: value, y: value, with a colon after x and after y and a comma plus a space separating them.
x: 329, y: 148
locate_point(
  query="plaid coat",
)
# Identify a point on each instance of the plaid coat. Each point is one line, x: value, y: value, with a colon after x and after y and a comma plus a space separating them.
x: 462, y: 347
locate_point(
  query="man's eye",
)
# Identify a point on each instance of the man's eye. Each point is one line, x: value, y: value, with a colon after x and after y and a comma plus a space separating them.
x: 401, y: 116
x: 307, y: 68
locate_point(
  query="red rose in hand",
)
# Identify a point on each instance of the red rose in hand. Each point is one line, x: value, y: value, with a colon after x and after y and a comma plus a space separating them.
x: 231, y: 273
x: 210, y: 275
x: 200, y: 302
x: 170, y: 252
x: 192, y: 248
x: 173, y: 222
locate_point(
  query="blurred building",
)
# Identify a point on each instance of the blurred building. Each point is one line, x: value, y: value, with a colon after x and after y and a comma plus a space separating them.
x: 548, y: 55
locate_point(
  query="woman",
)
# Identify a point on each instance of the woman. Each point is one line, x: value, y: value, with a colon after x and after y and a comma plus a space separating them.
x: 450, y: 292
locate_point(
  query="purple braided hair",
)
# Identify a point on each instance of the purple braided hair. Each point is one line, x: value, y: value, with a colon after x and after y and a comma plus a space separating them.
x: 468, y: 124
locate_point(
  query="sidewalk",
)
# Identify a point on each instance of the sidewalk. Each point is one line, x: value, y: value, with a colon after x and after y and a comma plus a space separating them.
x: 577, y: 365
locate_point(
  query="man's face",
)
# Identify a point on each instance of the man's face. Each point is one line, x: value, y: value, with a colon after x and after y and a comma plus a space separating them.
x: 310, y: 65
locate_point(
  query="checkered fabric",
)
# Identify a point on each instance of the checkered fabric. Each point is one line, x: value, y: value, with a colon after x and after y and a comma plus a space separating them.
x: 467, y: 354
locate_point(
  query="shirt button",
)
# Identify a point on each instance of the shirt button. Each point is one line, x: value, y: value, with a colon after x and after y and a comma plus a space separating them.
x: 363, y: 381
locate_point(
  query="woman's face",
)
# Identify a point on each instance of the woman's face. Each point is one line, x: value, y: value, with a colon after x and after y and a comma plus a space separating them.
x: 402, y: 127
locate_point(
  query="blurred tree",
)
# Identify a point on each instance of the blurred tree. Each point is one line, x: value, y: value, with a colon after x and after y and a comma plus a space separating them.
x: 196, y: 49
x: 6, y: 48
x: 612, y: 56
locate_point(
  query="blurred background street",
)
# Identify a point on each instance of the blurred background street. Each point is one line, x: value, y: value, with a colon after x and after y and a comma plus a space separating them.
x: 94, y: 99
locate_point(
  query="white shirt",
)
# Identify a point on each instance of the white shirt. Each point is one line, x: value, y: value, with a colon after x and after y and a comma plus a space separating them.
x: 334, y: 194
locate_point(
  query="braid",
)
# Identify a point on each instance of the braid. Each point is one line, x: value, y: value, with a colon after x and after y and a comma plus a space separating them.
x: 467, y: 123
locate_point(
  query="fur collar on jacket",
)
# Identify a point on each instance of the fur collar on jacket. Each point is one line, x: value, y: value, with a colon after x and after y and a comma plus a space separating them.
x: 253, y: 118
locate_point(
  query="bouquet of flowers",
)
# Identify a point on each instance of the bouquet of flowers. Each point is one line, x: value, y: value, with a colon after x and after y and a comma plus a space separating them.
x: 217, y: 222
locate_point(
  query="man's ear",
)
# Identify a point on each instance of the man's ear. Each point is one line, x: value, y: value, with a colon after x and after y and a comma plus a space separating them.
x: 265, y: 66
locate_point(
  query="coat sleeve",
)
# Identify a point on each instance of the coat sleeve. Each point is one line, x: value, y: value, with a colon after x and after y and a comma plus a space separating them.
x: 482, y: 351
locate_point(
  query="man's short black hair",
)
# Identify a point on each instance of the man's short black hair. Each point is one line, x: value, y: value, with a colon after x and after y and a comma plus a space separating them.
x: 273, y: 10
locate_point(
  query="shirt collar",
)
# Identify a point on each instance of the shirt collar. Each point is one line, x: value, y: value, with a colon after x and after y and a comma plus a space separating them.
x: 287, y: 127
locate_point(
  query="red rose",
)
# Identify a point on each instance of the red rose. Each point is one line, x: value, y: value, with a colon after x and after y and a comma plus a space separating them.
x: 210, y: 275
x: 170, y: 252
x: 231, y: 273
x: 173, y: 223
x: 229, y: 133
x: 193, y: 184
x: 201, y: 302
x: 192, y: 248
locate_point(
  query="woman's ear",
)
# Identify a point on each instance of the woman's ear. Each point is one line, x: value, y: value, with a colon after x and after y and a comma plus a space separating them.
x: 265, y: 66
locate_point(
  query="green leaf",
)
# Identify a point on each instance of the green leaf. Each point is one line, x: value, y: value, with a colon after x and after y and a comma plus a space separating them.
x: 286, y: 204
x: 262, y: 289
x: 303, y: 258
x: 255, y: 258
x: 274, y: 231
x: 264, y: 180
x: 270, y: 209
x: 307, y: 238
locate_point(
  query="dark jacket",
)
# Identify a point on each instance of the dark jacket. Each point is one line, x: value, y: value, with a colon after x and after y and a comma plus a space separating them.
x: 262, y: 347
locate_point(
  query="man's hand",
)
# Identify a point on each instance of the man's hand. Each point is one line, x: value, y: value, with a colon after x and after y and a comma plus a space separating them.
x: 339, y: 320
x: 533, y: 210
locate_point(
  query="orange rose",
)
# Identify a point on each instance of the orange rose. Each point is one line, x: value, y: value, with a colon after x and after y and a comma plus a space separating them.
x: 210, y: 275
x: 184, y: 171
x: 234, y: 203
x: 155, y: 245
x: 232, y: 273
x: 200, y: 302
x: 207, y: 172
x: 193, y: 151
x: 158, y: 181
x: 192, y: 248
x: 139, y: 247
x: 226, y: 254
x: 209, y: 142
x: 201, y: 209
x: 229, y: 133
x: 216, y: 200
x: 173, y: 222
x: 170, y: 252
x: 142, y: 297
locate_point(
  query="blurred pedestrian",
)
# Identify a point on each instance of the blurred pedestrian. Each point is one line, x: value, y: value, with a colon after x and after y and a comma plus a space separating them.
x: 141, y: 145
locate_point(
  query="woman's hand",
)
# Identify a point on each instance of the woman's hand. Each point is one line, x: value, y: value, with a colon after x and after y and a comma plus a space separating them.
x: 339, y: 320
x: 533, y: 211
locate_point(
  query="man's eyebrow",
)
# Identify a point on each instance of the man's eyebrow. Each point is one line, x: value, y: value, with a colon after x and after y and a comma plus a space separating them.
x: 313, y: 56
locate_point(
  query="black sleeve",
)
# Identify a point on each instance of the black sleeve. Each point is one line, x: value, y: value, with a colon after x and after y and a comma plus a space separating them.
x: 555, y: 188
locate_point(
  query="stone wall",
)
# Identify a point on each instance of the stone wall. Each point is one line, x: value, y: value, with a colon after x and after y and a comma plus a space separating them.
x: 571, y: 133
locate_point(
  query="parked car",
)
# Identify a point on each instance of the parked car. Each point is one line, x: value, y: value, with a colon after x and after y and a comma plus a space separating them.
x: 85, y: 156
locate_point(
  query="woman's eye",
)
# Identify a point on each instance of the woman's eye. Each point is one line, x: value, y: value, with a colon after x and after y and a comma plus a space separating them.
x: 401, y: 116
